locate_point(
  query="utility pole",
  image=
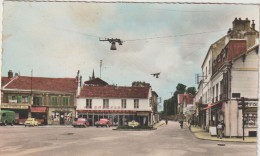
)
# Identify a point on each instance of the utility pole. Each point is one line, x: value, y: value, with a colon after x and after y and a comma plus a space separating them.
x: 100, y: 67
x: 241, y: 105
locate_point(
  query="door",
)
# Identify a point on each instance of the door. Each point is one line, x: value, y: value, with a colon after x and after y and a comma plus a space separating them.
x: 61, y: 118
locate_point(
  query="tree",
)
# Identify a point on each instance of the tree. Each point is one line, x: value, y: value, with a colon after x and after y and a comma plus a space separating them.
x: 191, y: 90
x: 180, y: 88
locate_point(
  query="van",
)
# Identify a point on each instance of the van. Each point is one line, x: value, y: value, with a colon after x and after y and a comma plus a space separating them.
x: 7, y: 117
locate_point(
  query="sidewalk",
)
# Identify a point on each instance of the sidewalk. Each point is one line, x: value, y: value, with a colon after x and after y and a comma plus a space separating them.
x: 202, y: 134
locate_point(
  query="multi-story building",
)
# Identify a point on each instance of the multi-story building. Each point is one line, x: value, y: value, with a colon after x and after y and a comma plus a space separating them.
x: 119, y: 104
x: 51, y: 99
x: 185, y: 106
x: 230, y: 71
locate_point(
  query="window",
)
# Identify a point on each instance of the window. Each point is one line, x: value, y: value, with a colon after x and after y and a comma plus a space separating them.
x: 209, y: 66
x: 37, y: 101
x: 13, y: 97
x: 24, y: 99
x: 123, y: 103
x: 206, y: 71
x: 136, y: 103
x: 65, y: 101
x: 89, y: 103
x: 235, y: 95
x: 55, y: 116
x: 54, y: 101
x: 105, y: 103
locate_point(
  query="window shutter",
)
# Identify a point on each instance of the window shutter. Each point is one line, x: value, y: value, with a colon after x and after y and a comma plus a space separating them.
x: 40, y: 100
x: 10, y: 97
x: 67, y: 101
x: 29, y: 99
x: 19, y: 99
x: 56, y: 100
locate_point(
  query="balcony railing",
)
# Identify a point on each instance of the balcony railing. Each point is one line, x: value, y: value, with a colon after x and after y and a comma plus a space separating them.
x: 12, y: 101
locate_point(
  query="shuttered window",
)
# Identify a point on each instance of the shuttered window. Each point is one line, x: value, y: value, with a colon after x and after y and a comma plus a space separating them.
x: 65, y: 101
x: 54, y: 101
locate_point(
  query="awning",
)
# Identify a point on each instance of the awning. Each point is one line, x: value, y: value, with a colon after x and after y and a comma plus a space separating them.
x: 38, y: 109
x: 211, y: 105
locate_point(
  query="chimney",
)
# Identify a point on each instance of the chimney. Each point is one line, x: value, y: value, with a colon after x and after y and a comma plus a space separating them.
x: 10, y: 74
x: 253, y: 24
x: 241, y: 25
x: 80, y: 80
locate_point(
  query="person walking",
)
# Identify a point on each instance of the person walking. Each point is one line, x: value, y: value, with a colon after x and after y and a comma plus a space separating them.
x: 220, y: 129
x: 181, y: 123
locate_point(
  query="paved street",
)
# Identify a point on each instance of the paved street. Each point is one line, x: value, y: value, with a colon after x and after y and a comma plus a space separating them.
x: 166, y: 140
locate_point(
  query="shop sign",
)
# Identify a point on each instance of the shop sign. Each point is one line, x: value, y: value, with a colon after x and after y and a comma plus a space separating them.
x: 142, y: 113
x: 252, y: 104
x: 14, y: 107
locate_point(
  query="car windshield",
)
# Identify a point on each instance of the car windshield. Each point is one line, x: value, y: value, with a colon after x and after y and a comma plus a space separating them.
x: 29, y: 119
x: 103, y: 119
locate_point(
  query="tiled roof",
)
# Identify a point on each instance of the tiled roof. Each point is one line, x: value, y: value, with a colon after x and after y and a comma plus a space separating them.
x: 96, y: 82
x: 114, y: 92
x: 188, y: 98
x: 5, y: 80
x: 42, y: 83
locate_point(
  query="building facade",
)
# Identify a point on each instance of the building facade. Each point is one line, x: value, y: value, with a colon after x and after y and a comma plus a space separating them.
x: 119, y: 104
x: 229, y: 72
x: 51, y: 100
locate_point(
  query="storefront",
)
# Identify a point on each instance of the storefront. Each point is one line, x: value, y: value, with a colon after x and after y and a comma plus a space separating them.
x: 21, y: 111
x: 251, y: 119
x: 39, y: 113
x: 61, y: 115
x: 116, y: 117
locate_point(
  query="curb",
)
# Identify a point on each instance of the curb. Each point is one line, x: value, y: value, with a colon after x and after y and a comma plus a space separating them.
x: 134, y: 129
x: 238, y: 141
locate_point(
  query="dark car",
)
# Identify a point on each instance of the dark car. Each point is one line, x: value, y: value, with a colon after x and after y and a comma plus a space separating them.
x: 103, y: 122
x: 81, y: 122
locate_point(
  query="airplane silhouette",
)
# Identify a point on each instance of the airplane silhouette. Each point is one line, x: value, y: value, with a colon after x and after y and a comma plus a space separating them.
x: 156, y: 75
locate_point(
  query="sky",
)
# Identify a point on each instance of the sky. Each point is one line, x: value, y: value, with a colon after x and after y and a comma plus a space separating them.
x: 58, y: 39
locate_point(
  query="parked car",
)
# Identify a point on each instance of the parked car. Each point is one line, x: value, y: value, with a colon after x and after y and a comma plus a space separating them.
x: 22, y: 121
x: 103, y: 122
x: 7, y: 117
x: 31, y: 122
x: 81, y: 122
x: 133, y: 123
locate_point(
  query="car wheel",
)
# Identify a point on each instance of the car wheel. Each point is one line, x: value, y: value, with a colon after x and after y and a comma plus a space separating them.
x: 85, y: 126
x: 5, y: 124
x: 12, y: 123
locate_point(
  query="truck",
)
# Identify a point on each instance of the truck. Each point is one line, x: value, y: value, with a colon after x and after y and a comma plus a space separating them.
x: 7, y: 117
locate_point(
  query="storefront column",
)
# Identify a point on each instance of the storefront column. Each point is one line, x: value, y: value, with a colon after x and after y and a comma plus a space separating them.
x: 118, y: 120
x: 93, y: 119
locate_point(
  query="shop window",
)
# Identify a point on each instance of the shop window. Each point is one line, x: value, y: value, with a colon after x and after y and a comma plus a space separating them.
x: 89, y: 103
x: 251, y: 119
x: 68, y: 116
x: 105, y: 103
x: 24, y: 99
x: 55, y: 116
x: 136, y: 103
x: 65, y: 101
x: 123, y: 103
x: 54, y: 101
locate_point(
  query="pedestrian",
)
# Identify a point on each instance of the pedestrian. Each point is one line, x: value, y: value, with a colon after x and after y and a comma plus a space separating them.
x: 220, y: 130
x: 166, y: 121
x: 181, y: 123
